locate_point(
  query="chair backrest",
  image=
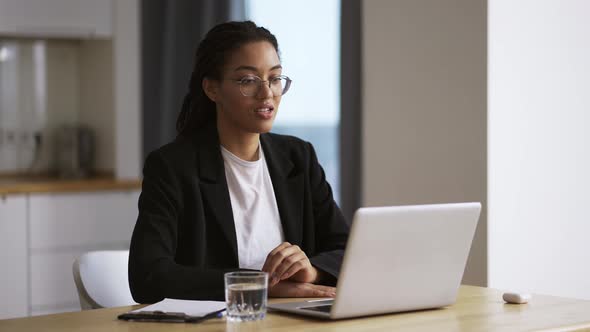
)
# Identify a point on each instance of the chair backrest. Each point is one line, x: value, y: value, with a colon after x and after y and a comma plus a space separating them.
x: 101, y: 279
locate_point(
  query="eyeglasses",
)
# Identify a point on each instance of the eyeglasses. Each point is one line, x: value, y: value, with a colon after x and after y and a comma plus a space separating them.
x: 250, y: 86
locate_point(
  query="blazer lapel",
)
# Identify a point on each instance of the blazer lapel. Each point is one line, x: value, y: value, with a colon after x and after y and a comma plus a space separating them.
x: 213, y: 185
x: 288, y: 187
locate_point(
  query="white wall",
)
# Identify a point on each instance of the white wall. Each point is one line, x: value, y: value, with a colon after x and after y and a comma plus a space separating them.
x: 424, y: 107
x: 539, y: 146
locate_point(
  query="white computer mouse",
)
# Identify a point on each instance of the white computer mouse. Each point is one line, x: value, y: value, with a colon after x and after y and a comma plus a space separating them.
x: 516, y: 298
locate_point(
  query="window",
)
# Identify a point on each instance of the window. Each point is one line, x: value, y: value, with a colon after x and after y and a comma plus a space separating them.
x: 308, y: 32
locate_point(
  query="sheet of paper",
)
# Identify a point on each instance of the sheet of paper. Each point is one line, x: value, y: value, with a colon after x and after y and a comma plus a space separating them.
x: 192, y: 308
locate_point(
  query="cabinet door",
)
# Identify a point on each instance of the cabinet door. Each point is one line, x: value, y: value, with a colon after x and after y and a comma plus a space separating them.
x: 56, y: 18
x: 13, y: 256
x: 82, y: 220
x: 64, y: 226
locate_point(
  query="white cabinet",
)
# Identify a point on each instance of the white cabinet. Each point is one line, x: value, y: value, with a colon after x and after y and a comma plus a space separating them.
x: 13, y: 256
x: 62, y: 227
x: 89, y: 219
x: 42, y: 234
x: 56, y: 18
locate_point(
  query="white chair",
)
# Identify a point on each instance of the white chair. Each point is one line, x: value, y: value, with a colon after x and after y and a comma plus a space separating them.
x: 101, y: 279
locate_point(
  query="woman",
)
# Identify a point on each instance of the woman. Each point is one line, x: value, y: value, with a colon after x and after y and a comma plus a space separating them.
x: 226, y: 194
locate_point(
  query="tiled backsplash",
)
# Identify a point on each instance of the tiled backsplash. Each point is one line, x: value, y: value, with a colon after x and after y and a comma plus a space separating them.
x: 39, y: 91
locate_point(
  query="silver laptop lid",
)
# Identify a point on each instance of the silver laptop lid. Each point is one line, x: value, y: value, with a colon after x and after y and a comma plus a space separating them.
x: 404, y: 258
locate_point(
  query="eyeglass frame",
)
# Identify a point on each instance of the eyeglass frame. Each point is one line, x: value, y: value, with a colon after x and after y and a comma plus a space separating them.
x: 240, y: 82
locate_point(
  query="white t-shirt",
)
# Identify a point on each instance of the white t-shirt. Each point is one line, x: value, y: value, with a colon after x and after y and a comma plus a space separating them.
x: 256, y: 215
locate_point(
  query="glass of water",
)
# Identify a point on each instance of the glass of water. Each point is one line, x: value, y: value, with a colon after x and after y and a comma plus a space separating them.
x: 246, y: 295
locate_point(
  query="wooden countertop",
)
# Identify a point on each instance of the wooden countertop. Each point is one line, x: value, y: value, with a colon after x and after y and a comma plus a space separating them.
x: 477, y: 309
x: 45, y: 184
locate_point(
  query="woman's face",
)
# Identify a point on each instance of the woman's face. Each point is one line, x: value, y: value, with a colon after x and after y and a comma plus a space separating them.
x: 247, y: 114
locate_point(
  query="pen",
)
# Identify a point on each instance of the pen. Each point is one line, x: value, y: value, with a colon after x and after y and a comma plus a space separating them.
x: 214, y: 314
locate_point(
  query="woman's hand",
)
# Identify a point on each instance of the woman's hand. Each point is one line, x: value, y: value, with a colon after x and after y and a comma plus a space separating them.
x: 299, y: 289
x: 288, y: 261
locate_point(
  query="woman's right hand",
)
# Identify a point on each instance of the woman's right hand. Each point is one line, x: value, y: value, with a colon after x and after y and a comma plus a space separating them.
x: 300, y: 289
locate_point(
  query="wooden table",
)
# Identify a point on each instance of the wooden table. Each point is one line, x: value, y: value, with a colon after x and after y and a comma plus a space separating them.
x: 477, y: 309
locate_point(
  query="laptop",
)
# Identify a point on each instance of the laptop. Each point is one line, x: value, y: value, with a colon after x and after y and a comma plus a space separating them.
x: 399, y: 258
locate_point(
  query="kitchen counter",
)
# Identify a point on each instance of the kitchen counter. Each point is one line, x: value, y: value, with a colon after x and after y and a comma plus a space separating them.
x: 43, y: 184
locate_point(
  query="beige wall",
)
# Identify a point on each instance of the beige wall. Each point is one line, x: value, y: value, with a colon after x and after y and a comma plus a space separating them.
x: 127, y: 89
x: 96, y: 99
x: 424, y: 107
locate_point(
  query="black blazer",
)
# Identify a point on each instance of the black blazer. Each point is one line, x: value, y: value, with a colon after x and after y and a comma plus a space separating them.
x: 185, y: 240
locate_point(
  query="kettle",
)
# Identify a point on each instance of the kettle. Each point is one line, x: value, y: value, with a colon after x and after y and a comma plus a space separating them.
x: 75, y: 150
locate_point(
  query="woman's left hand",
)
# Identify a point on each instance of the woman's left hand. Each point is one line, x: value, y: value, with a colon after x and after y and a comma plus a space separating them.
x: 288, y: 261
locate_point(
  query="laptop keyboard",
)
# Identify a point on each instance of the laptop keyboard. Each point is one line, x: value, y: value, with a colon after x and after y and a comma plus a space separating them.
x: 321, y: 308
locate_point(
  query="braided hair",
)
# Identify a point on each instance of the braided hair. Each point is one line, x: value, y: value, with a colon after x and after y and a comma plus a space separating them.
x: 212, y: 54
